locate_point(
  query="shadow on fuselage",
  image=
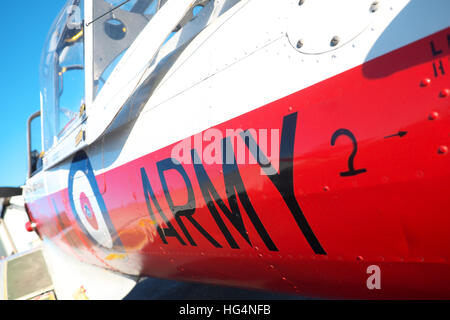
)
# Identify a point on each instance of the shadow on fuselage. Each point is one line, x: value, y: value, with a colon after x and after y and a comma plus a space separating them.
x: 403, y: 30
x: 156, y: 289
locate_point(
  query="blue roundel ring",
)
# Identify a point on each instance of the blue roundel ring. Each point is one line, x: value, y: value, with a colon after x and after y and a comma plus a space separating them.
x: 81, y: 163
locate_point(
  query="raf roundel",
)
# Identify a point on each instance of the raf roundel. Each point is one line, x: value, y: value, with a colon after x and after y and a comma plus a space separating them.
x: 87, y: 203
x: 88, y: 210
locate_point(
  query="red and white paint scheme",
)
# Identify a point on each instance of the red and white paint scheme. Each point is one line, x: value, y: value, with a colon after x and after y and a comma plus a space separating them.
x: 353, y: 97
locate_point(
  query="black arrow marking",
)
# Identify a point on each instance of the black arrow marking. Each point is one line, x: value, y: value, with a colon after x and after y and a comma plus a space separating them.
x: 398, y: 134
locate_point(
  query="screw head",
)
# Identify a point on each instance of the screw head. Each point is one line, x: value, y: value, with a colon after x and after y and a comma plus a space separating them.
x: 445, y: 93
x: 443, y: 150
x: 301, y: 2
x: 425, y: 82
x: 374, y: 7
x: 335, y: 41
x: 433, y: 115
x: 300, y: 43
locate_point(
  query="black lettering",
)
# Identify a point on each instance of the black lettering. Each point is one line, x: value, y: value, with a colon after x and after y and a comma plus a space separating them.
x: 210, y: 193
x: 351, y: 166
x: 433, y: 49
x: 235, y: 189
x: 440, y: 67
x: 166, y: 232
x: 284, y: 179
x: 186, y: 210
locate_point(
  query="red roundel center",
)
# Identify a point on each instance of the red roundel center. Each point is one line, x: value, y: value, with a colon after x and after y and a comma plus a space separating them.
x: 87, y: 211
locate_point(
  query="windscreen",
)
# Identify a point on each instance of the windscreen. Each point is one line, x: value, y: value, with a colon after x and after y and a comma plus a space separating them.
x: 62, y: 73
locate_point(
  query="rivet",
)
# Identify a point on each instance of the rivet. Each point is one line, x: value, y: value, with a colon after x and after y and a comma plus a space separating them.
x: 300, y: 43
x: 290, y: 109
x: 443, y: 150
x: 326, y: 188
x: 433, y: 115
x: 445, y: 93
x: 425, y: 82
x: 374, y: 6
x: 359, y: 258
x: 335, y: 41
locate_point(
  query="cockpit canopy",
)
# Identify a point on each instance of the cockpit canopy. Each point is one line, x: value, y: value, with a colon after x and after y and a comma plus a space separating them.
x: 85, y: 43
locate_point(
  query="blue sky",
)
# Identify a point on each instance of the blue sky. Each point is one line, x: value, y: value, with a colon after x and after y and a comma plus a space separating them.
x: 25, y: 25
